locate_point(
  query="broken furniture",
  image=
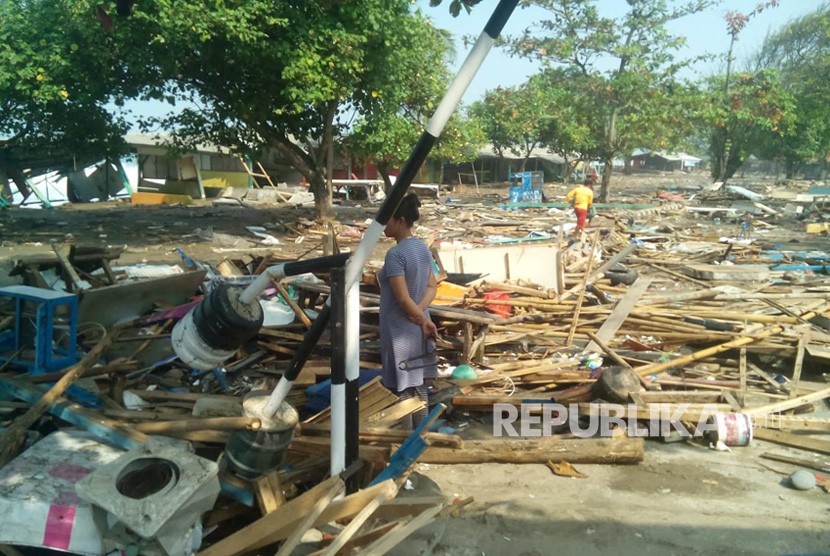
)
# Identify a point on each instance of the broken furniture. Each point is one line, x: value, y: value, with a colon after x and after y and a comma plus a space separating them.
x: 152, y: 498
x: 35, y: 344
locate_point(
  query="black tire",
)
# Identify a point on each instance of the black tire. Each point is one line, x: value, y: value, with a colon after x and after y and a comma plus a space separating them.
x: 621, y: 275
x: 221, y: 324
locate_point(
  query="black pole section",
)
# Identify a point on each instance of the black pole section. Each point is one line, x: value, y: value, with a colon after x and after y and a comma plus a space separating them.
x: 404, y: 180
x: 493, y: 28
x: 352, y: 431
x: 309, y: 341
x: 315, y: 265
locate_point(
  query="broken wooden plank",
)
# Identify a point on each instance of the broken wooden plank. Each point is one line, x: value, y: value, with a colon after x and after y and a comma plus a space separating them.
x: 584, y: 450
x: 337, y: 488
x: 792, y: 403
x: 392, y: 539
x: 620, y: 312
x: 793, y: 440
x: 357, y: 522
x: 268, y: 491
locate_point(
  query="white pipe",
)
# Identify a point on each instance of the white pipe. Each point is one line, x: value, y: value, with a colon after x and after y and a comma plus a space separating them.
x: 352, y: 333
x: 459, y: 85
x: 338, y: 428
x: 354, y: 266
x: 251, y: 293
x: 277, y: 396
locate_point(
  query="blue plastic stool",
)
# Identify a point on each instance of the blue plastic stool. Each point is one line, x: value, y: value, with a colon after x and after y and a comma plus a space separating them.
x: 47, y: 358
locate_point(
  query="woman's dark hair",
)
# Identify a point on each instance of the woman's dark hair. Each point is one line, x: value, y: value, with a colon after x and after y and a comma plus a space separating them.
x: 408, y: 209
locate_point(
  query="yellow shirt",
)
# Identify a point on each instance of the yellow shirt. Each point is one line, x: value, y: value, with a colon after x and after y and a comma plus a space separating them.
x: 581, y: 197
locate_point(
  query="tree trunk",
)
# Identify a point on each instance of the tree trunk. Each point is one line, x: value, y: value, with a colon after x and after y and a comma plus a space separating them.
x: 387, y: 181
x: 611, y: 140
x: 12, y: 172
x: 306, y: 165
x: 324, y: 205
x: 606, y: 179
x: 724, y: 173
x: 322, y: 196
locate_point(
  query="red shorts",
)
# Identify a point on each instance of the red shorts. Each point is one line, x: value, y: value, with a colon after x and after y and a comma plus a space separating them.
x: 581, y: 218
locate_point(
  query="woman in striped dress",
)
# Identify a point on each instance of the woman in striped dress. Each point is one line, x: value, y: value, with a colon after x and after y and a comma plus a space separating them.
x: 407, y: 287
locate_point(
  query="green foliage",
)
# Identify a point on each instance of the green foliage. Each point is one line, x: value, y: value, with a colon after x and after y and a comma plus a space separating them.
x: 624, y: 69
x: 460, y: 142
x: 758, y: 111
x: 801, y: 53
x: 514, y: 119
x: 262, y: 74
x: 394, y: 114
x: 55, y: 82
x: 457, y: 5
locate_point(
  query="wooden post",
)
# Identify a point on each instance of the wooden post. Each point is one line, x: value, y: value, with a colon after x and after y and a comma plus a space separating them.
x: 742, y: 371
x: 581, y: 297
x: 268, y: 490
x: 799, y: 359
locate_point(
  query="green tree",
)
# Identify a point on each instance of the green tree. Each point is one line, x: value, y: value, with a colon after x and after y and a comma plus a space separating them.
x: 735, y: 23
x: 760, y: 111
x: 263, y: 74
x: 460, y: 142
x: 395, y: 114
x: 567, y: 129
x: 800, y: 51
x: 514, y: 119
x: 626, y: 64
x: 56, y: 81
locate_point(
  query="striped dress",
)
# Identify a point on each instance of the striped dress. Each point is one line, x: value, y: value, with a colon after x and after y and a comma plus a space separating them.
x: 400, y: 338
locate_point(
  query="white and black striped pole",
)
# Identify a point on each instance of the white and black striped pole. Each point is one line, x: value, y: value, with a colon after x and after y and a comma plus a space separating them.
x: 344, y: 393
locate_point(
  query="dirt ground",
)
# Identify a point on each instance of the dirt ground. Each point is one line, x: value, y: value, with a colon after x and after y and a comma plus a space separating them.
x: 683, y: 499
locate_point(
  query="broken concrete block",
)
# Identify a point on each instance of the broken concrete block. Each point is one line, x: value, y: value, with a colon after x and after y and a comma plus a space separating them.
x: 152, y: 497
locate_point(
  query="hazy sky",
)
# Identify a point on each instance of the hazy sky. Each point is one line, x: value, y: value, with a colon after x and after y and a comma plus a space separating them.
x: 705, y: 33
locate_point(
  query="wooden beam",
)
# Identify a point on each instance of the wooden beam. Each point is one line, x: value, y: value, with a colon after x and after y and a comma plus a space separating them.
x: 581, y: 296
x: 279, y: 524
x: 337, y: 488
x: 799, y: 358
x: 392, y: 539
x: 358, y: 521
x: 584, y: 450
x: 793, y: 440
x: 292, y: 304
x: 268, y: 490
x: 618, y: 315
x: 792, y: 403
x: 655, y: 368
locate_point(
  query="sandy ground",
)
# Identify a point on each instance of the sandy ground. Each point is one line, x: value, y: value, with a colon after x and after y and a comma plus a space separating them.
x: 683, y: 499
